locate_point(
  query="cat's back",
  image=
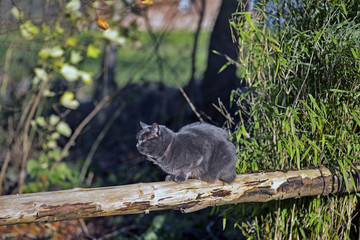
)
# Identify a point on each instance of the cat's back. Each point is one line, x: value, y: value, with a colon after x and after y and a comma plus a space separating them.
x: 203, y: 129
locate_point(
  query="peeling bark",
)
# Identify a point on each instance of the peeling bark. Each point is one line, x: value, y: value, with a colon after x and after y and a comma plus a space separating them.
x: 190, y: 196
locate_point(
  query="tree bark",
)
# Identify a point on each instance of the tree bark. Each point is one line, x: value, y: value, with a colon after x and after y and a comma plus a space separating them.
x: 190, y: 196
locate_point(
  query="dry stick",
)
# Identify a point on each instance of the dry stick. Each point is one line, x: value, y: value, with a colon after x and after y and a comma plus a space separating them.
x: 97, y: 143
x: 191, y: 105
x: 81, y: 127
x: 26, y: 143
x: 3, y: 169
x: 10, y: 139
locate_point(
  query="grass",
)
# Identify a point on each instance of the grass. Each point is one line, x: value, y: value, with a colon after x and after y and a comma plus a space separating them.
x: 137, y: 60
x: 170, y: 65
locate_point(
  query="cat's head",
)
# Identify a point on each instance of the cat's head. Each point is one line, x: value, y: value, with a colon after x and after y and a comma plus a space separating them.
x: 150, y: 140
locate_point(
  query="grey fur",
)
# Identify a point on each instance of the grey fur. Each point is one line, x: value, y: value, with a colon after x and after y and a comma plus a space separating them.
x: 198, y: 150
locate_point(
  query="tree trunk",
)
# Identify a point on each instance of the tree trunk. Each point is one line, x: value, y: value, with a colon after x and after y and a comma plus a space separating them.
x: 190, y: 196
x: 214, y: 84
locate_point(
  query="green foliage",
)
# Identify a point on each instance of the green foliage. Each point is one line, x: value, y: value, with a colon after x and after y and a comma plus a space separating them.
x: 301, y: 64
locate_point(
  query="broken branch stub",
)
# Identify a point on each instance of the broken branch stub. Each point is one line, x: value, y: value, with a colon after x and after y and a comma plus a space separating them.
x: 190, y: 196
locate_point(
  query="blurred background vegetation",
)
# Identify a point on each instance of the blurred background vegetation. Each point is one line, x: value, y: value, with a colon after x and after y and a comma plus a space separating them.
x: 284, y: 77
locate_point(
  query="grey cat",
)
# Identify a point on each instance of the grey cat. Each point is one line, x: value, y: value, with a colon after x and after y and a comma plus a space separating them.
x: 198, y: 150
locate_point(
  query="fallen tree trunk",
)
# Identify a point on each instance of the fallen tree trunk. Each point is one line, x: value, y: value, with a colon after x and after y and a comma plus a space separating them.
x: 190, y: 196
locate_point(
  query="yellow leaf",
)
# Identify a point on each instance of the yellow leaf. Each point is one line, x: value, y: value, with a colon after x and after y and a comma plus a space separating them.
x: 146, y: 2
x: 92, y: 51
x: 85, y: 77
x: 71, y: 42
x: 67, y: 100
x: 28, y: 30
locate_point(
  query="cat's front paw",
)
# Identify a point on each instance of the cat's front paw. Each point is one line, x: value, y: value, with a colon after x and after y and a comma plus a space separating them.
x: 169, y: 178
x: 179, y: 179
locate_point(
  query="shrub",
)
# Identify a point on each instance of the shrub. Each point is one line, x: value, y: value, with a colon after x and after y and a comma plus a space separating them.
x: 300, y: 63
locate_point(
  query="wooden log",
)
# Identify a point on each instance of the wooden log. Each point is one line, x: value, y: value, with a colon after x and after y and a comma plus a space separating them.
x: 190, y: 196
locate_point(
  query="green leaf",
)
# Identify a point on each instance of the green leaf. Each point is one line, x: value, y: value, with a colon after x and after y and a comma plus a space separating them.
x: 314, y: 103
x: 355, y: 52
x: 224, y: 67
x: 69, y: 72
x: 86, y: 77
x: 64, y: 129
x: 92, y: 51
x: 54, y: 52
x: 54, y: 119
x: 28, y: 30
x: 40, y: 121
x: 344, y: 7
x: 73, y: 6
x: 249, y: 20
x: 75, y: 57
x: 41, y: 74
x: 158, y: 222
x: 327, y: 61
x: 67, y: 100
x: 17, y: 13
x: 31, y: 167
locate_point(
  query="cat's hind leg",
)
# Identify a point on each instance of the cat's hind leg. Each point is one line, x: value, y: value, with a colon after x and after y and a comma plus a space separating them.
x: 228, y: 174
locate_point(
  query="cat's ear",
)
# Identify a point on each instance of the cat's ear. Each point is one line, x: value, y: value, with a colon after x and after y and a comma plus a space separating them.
x: 144, y: 125
x: 155, y: 130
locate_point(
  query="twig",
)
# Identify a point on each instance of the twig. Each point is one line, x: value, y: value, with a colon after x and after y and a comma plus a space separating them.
x: 3, y: 169
x: 26, y: 144
x: 81, y: 126
x: 191, y: 105
x: 223, y: 111
x: 85, y: 228
x: 95, y: 145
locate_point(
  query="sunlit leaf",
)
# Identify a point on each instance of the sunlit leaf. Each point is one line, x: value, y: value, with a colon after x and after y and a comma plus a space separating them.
x: 75, y: 57
x: 56, y: 51
x: 17, y: 13
x: 51, y: 144
x: 71, y: 42
x: 54, y: 119
x: 114, y: 36
x: 69, y: 72
x: 93, y: 51
x: 64, y: 129
x: 53, y: 52
x: 67, y: 100
x: 41, y: 74
x: 40, y: 121
x: 85, y: 77
x: 28, y: 30
x: 73, y: 6
x: 146, y: 2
